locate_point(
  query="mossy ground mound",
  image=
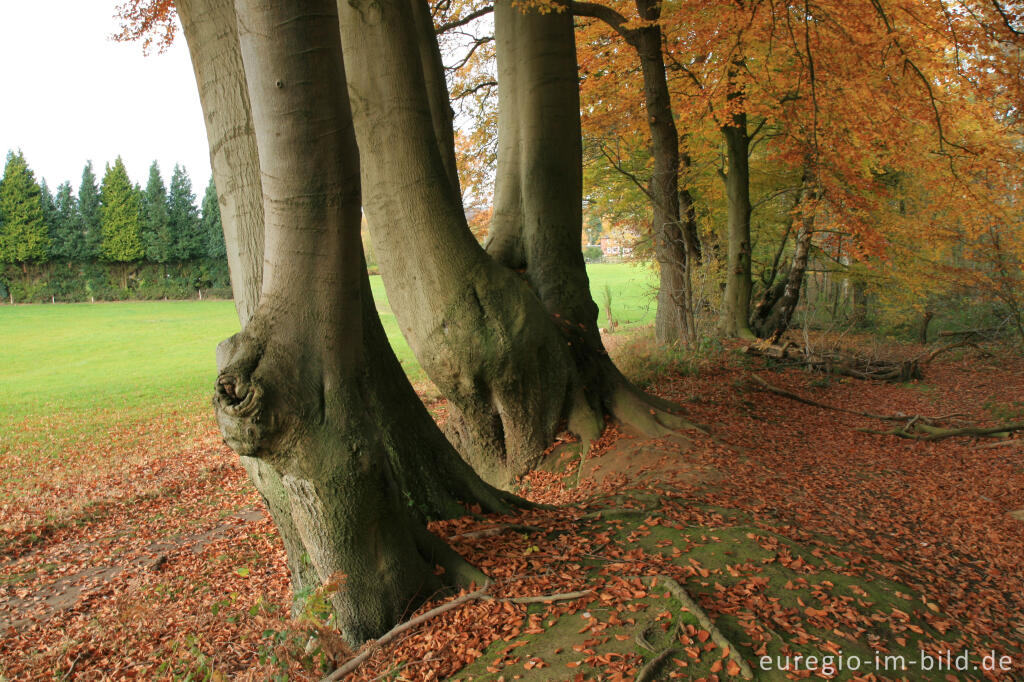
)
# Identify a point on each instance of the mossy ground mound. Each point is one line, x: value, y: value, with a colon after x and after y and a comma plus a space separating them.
x: 769, y: 595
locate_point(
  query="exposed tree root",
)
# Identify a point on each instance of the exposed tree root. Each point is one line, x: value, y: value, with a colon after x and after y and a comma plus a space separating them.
x: 653, y: 666
x: 482, y: 593
x: 680, y: 593
x: 650, y: 415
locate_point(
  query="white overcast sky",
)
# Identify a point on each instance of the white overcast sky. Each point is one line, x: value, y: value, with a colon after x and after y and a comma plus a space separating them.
x: 70, y: 94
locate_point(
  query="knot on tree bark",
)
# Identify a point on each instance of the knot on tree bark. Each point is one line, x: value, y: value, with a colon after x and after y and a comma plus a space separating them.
x: 241, y: 398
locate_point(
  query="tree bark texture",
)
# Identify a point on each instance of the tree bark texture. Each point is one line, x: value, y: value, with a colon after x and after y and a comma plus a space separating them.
x: 505, y: 348
x: 211, y: 32
x: 310, y: 386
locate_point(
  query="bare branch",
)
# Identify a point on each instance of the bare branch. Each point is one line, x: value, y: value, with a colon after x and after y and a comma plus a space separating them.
x: 472, y: 16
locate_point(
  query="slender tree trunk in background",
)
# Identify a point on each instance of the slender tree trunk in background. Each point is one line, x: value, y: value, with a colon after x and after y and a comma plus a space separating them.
x: 676, y: 246
x: 738, y: 282
x: 210, y: 29
x: 859, y: 301
x: 926, y: 321
x: 688, y: 210
x: 772, y: 317
x: 674, y: 318
x: 486, y: 338
x: 1007, y: 284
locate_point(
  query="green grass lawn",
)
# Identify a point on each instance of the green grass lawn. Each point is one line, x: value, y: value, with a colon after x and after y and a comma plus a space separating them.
x: 121, y: 357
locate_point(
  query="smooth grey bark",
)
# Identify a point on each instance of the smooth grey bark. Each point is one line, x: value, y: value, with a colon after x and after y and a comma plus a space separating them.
x: 538, y: 220
x: 441, y: 110
x: 210, y: 30
x: 490, y: 342
x: 738, y: 281
x: 310, y: 386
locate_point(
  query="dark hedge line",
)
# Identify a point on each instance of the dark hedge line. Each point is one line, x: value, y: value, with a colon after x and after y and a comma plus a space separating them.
x: 69, y: 282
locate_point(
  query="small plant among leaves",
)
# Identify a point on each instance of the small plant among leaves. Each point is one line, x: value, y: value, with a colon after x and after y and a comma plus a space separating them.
x: 310, y: 641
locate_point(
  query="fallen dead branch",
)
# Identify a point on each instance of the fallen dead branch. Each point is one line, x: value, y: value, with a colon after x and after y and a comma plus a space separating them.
x: 909, y: 418
x: 958, y: 344
x: 545, y: 598
x: 969, y: 332
x: 917, y: 431
x: 496, y: 530
x: 1012, y: 443
x: 680, y: 593
x: 916, y: 427
x: 357, y: 660
x: 394, y: 632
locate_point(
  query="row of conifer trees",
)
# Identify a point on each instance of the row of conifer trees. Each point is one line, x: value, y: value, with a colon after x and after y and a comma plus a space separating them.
x: 111, y: 240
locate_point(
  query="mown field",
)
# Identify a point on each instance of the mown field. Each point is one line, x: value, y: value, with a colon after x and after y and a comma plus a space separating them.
x: 123, y: 356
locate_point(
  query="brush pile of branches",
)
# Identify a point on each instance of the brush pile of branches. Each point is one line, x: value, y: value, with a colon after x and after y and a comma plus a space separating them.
x: 838, y: 362
x: 850, y: 364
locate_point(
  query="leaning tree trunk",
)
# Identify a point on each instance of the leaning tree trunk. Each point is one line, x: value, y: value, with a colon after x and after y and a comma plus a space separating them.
x: 773, y: 315
x: 310, y: 386
x: 210, y: 30
x: 738, y: 281
x: 506, y: 349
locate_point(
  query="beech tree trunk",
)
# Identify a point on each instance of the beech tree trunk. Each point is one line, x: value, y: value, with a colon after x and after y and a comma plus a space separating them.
x: 738, y: 281
x: 210, y: 28
x: 309, y: 389
x: 515, y: 354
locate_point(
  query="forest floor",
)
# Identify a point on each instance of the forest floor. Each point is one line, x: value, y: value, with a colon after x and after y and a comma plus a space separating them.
x: 145, y: 553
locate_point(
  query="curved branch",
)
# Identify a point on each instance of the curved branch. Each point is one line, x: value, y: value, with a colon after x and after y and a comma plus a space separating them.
x: 472, y: 16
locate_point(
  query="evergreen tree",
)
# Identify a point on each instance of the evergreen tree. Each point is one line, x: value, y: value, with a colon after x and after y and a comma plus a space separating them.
x: 183, y: 217
x: 23, y: 237
x: 49, y: 215
x: 156, y: 234
x: 119, y: 216
x: 89, y: 211
x: 66, y: 229
x: 211, y: 226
